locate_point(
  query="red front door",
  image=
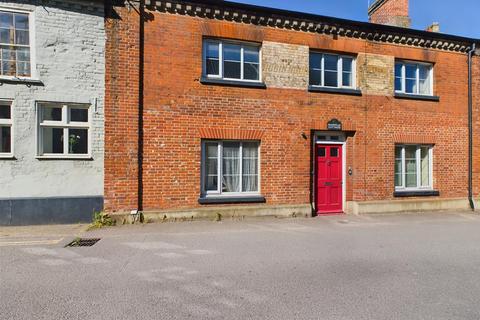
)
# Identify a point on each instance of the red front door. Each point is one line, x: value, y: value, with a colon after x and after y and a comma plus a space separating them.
x: 329, y: 171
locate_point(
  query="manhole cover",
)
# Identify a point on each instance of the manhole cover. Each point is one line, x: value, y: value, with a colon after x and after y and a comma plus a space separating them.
x: 80, y: 242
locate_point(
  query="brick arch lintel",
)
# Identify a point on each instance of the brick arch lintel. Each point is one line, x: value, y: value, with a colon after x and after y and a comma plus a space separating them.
x: 230, y: 134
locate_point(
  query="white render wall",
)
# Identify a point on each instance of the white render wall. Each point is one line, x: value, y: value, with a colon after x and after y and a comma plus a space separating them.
x: 69, y: 53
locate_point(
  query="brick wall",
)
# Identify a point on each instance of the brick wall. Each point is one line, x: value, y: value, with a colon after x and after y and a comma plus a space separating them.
x: 180, y: 112
x: 121, y: 104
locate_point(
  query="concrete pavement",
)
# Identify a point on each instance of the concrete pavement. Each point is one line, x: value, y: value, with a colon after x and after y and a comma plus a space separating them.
x: 419, y: 266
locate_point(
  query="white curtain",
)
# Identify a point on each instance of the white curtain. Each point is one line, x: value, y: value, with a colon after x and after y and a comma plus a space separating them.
x: 250, y: 167
x: 231, y: 167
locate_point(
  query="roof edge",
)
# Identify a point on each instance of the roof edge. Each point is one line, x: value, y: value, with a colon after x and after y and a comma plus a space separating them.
x: 253, y: 14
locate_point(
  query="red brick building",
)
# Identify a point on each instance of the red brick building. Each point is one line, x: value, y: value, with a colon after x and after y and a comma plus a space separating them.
x: 219, y: 107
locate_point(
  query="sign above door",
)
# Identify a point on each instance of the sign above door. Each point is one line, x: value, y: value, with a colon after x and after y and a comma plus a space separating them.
x: 334, y: 125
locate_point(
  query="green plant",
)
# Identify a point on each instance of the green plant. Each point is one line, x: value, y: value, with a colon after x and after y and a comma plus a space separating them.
x: 101, y: 219
x: 219, y: 217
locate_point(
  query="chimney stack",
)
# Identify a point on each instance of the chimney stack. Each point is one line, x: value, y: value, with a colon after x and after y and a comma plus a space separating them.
x: 390, y: 12
x: 434, y: 27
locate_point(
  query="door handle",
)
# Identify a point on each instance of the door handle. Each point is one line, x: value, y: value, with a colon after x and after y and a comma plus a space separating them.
x: 327, y: 184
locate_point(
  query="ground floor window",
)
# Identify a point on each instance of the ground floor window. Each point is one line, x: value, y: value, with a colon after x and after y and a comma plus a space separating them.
x: 64, y: 130
x: 230, y: 167
x: 413, y: 167
x: 5, y: 128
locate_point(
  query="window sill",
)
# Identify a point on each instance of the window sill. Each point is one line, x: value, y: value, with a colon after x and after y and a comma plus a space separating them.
x: 352, y: 92
x: 27, y: 81
x: 62, y: 157
x: 233, y: 83
x: 7, y: 157
x: 416, y: 193
x: 226, y: 199
x: 399, y: 95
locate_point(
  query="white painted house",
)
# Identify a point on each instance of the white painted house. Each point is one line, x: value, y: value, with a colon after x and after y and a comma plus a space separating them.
x: 52, y: 71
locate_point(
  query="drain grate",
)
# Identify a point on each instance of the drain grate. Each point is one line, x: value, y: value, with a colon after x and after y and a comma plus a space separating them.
x: 82, y: 242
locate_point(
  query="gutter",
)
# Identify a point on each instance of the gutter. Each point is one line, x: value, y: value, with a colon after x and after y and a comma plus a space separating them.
x: 470, y: 128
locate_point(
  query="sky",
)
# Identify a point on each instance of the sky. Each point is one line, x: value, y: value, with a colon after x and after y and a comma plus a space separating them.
x: 457, y: 17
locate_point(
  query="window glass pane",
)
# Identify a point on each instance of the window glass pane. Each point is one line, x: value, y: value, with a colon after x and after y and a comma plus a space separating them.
x: 231, y: 167
x: 250, y: 167
x: 347, y: 64
x: 398, y: 166
x: 232, y: 70
x: 424, y: 71
x: 410, y: 167
x: 211, y: 167
x: 231, y: 52
x: 21, y: 21
x: 79, y: 114
x: 424, y: 79
x: 23, y: 69
x: 321, y: 151
x: 251, y: 71
x: 212, y: 59
x: 51, y: 113
x: 315, y: 77
x: 5, y: 112
x: 425, y: 166
x: 411, y: 86
x: 398, y: 84
x: 5, y: 140
x: 411, y: 71
x: 250, y: 54
x: 6, y: 20
x: 6, y: 36
x: 347, y: 79
x: 425, y: 86
x: 212, y: 49
x: 78, y: 141
x: 331, y: 79
x: 8, y: 54
x: 21, y: 37
x: 52, y: 139
x: 398, y: 70
x: 213, y: 67
x: 8, y: 68
x: 315, y: 61
x: 334, y: 152
x: 331, y: 62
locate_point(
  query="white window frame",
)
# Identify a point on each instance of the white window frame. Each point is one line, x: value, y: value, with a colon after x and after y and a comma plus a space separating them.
x: 31, y: 35
x: 418, y: 167
x: 417, y: 76
x: 220, y: 74
x: 65, y: 124
x: 339, y: 70
x: 8, y: 123
x: 218, y: 192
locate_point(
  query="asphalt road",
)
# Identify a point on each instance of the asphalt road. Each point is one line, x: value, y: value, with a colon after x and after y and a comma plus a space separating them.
x: 340, y: 267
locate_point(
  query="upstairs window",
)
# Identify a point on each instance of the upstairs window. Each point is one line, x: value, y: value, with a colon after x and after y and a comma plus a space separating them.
x: 14, y: 44
x: 64, y: 130
x: 414, y: 78
x: 231, y: 60
x: 331, y: 70
x: 6, y: 129
x: 413, y: 167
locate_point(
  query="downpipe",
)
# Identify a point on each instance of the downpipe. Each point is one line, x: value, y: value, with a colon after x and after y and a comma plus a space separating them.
x: 470, y: 128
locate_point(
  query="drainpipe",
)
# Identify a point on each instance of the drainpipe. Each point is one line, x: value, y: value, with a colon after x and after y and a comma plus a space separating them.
x: 140, y: 103
x: 470, y: 129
